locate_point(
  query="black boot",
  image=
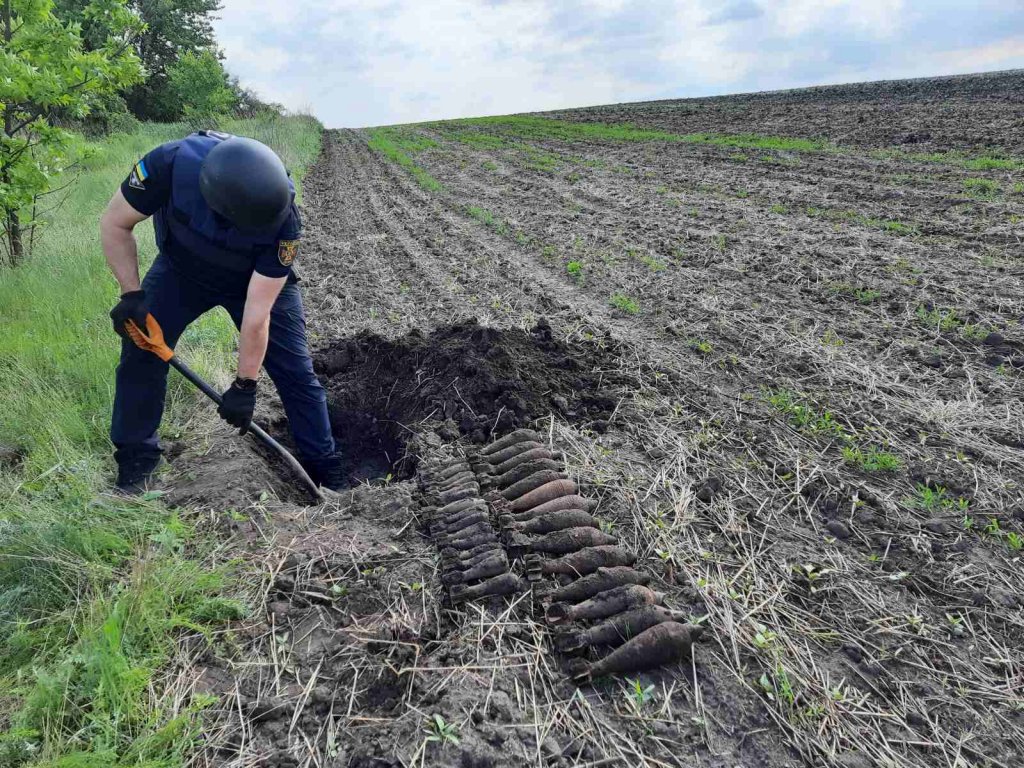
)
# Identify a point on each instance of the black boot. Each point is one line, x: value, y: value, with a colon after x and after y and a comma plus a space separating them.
x: 329, y: 473
x: 136, y: 475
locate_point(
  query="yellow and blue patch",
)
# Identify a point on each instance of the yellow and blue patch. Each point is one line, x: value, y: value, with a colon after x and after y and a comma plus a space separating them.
x: 138, y: 176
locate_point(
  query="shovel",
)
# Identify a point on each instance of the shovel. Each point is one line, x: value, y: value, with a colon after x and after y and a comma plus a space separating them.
x: 153, y: 341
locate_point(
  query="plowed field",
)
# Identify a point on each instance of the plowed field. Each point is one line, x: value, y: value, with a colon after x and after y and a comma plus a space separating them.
x: 778, y: 339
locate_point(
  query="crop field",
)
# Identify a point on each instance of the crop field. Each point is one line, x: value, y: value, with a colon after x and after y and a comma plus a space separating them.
x: 777, y: 339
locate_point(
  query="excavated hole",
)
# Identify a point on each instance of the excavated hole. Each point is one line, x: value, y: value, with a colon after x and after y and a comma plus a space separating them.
x: 371, y: 445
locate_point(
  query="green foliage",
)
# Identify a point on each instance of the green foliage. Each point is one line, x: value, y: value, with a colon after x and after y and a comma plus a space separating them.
x: 45, y: 68
x: 699, y: 345
x: 575, y: 270
x: 871, y: 459
x: 625, y: 303
x: 935, y: 499
x: 482, y: 215
x: 638, y: 695
x: 396, y: 145
x: 804, y: 417
x: 442, y: 732
x: 198, y: 90
x: 939, y: 319
x: 779, y: 208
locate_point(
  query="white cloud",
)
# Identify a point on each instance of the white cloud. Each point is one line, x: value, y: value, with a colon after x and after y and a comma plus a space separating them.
x: 365, y: 62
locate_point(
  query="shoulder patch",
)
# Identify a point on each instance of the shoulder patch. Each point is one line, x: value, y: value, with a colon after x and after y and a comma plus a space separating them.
x: 138, y: 176
x: 287, y: 250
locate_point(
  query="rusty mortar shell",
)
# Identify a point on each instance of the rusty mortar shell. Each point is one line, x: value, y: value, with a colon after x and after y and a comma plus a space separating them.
x: 564, y: 541
x: 572, y: 501
x: 466, y: 557
x: 455, y: 507
x: 604, y: 604
x: 455, y: 546
x: 583, y: 562
x: 531, y: 483
x: 662, y: 644
x: 507, y: 454
x: 614, y: 631
x: 446, y: 528
x: 523, y: 471
x: 555, y: 521
x: 457, y: 494
x: 519, y: 436
x: 600, y: 580
x: 484, y: 569
x: 540, y: 452
x: 545, y: 493
x: 496, y: 586
x: 483, y: 526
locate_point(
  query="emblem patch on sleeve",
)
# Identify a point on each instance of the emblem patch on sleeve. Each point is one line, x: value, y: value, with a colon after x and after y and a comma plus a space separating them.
x: 287, y: 250
x: 138, y: 176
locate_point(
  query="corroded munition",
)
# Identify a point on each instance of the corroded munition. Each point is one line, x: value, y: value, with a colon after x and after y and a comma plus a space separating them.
x: 505, y: 584
x: 568, y: 540
x: 545, y: 493
x: 585, y: 561
x: 455, y: 546
x: 523, y: 471
x: 603, y: 604
x: 465, y: 557
x: 509, y: 453
x: 519, y: 436
x: 601, y: 580
x: 556, y: 521
x: 489, y: 566
x: 480, y: 516
x: 456, y: 507
x: 483, y: 526
x: 654, y: 647
x: 532, y: 483
x: 531, y: 455
x: 455, y: 481
x: 458, y: 494
x: 451, y: 470
x: 572, y: 501
x: 616, y: 630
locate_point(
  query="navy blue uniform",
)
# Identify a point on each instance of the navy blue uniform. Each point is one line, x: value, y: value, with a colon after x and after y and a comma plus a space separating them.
x: 204, y: 262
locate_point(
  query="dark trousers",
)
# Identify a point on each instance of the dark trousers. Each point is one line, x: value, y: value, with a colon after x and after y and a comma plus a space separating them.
x: 175, y: 301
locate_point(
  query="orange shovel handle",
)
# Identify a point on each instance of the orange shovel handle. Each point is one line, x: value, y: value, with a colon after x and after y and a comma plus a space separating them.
x: 152, y: 340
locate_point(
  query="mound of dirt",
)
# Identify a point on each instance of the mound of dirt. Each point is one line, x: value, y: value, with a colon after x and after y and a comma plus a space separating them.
x: 474, y: 380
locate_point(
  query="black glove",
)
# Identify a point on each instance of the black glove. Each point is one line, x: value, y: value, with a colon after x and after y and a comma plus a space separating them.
x: 132, y: 306
x: 238, y: 403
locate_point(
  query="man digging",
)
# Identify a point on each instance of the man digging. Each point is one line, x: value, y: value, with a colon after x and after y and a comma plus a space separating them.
x: 228, y: 231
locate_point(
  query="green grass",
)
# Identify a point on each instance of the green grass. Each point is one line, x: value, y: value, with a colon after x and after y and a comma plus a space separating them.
x: 985, y: 188
x: 94, y: 589
x: 535, y: 128
x: 625, y: 303
x: 871, y: 459
x: 396, y: 145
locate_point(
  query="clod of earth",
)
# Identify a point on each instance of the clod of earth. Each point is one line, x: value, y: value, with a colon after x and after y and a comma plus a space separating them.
x: 518, y: 436
x: 657, y: 646
x: 545, y: 493
x: 565, y: 541
x: 601, y: 580
x: 581, y: 563
x: 604, y: 604
x: 554, y: 521
x: 506, y: 584
x: 616, y: 630
x: 533, y: 482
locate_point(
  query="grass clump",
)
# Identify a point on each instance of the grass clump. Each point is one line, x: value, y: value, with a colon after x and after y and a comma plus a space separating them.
x: 575, y: 270
x: 871, y: 459
x: 625, y: 303
x: 804, y: 417
x: 984, y: 188
x: 935, y: 499
x: 396, y: 145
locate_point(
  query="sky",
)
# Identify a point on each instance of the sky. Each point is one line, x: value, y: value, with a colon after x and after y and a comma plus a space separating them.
x: 356, y: 63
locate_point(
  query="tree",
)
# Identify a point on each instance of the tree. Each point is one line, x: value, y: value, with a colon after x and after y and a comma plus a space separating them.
x: 44, y: 68
x: 198, y: 88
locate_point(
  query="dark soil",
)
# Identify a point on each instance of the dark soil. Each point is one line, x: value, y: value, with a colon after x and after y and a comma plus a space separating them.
x: 484, y: 381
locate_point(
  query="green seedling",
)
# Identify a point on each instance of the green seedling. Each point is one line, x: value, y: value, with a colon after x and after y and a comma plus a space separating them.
x: 1014, y: 541
x: 638, y: 695
x: 872, y: 459
x: 983, y: 188
x: 575, y: 270
x: 442, y: 732
x: 700, y: 345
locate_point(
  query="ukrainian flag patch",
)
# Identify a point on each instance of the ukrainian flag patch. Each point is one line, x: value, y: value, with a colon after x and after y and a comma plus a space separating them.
x: 138, y: 176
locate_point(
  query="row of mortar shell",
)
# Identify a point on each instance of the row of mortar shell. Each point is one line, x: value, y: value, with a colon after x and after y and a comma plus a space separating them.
x: 542, y: 514
x: 473, y: 561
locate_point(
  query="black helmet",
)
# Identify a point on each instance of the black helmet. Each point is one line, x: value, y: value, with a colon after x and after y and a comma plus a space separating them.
x: 246, y: 183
